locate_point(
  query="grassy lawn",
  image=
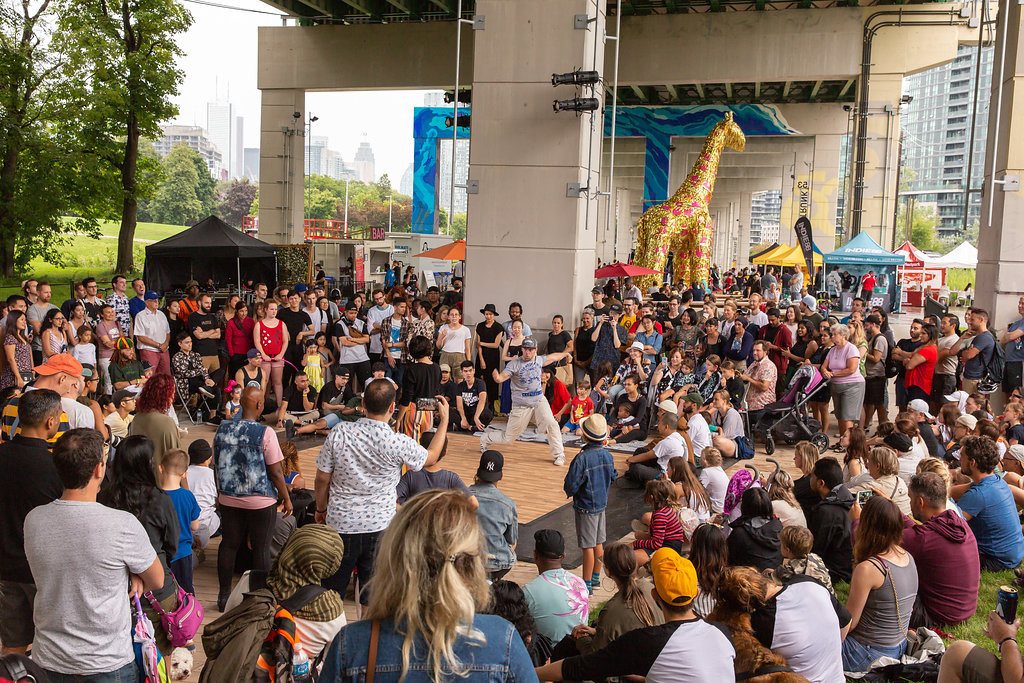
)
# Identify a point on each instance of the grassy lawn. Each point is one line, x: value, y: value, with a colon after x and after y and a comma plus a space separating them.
x: 92, y: 256
x: 970, y: 629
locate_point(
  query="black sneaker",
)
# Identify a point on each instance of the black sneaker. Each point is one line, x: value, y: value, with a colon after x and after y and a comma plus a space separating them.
x: 222, y: 599
x: 289, y: 430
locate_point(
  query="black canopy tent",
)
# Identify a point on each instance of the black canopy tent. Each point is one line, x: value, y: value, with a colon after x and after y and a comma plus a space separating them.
x: 775, y: 245
x: 210, y: 248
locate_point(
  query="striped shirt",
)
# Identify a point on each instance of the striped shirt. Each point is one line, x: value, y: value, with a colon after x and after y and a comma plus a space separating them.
x: 665, y: 526
x: 9, y: 423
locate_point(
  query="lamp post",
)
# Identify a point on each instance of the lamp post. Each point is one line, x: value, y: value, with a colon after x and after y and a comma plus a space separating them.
x: 305, y: 194
x: 389, y: 213
x: 347, y: 181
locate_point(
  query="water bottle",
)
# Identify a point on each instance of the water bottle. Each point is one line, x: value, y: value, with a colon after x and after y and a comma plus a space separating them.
x: 300, y: 665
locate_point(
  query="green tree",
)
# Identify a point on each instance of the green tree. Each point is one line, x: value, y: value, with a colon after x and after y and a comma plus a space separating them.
x: 176, y: 201
x: 127, y: 52
x: 459, y: 226
x: 44, y: 170
x: 921, y: 233
x: 319, y: 203
x: 383, y: 187
x: 206, y: 186
x: 254, y: 208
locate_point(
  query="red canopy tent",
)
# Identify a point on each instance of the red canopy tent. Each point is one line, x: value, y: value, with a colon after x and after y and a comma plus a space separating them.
x: 623, y: 270
x: 916, y: 275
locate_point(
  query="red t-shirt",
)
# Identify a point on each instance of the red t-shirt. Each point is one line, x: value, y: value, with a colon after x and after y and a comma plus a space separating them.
x: 868, y: 282
x: 921, y: 376
x: 581, y: 408
x: 560, y: 397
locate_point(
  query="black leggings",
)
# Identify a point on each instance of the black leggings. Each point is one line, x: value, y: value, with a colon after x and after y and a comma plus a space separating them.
x: 237, y: 525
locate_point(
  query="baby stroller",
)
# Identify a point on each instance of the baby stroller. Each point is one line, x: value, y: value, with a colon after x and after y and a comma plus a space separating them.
x: 789, y: 419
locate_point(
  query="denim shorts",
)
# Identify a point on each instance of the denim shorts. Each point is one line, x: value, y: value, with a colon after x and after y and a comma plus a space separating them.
x: 858, y: 657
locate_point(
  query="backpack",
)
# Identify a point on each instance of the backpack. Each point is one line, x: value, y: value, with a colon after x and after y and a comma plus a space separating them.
x: 993, y: 368
x: 21, y: 669
x: 892, y: 366
x: 242, y: 645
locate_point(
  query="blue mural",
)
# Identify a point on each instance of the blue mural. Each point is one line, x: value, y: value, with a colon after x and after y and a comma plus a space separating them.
x: 428, y: 127
x: 658, y: 125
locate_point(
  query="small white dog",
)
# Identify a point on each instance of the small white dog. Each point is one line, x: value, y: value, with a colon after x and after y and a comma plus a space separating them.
x: 179, y: 664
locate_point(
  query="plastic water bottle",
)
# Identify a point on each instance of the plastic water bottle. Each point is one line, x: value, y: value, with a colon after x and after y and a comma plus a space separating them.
x: 300, y: 665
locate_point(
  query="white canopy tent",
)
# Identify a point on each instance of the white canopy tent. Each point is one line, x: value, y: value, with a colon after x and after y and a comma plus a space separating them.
x: 964, y: 256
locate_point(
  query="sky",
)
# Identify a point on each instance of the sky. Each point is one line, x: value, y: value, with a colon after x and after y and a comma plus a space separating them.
x: 220, y: 62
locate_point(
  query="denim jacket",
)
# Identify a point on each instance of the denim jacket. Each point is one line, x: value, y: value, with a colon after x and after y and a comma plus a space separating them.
x: 499, y: 521
x: 501, y: 657
x: 590, y: 475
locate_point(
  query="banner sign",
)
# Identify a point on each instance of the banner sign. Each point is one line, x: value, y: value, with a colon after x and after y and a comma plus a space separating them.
x: 802, y: 230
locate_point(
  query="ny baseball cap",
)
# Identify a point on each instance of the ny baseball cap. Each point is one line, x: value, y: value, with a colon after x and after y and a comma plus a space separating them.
x: 675, y: 578
x: 491, y: 464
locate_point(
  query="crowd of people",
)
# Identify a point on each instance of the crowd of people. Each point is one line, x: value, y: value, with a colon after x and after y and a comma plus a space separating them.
x: 101, y: 503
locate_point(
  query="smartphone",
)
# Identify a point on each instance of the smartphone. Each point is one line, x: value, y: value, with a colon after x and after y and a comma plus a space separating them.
x: 426, y: 404
x: 862, y: 497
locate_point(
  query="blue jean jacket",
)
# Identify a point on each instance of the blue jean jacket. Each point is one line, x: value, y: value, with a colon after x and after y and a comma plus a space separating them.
x: 590, y: 475
x: 502, y: 657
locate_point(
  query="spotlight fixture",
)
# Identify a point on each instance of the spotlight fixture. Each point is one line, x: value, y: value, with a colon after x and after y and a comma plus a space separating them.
x: 465, y: 97
x: 575, y: 78
x: 577, y: 104
x: 906, y: 99
x: 463, y: 121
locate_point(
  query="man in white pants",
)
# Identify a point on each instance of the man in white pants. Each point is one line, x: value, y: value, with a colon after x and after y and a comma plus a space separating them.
x: 528, y: 402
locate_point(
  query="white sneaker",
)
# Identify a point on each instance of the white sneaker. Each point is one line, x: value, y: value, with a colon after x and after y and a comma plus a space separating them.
x: 559, y: 460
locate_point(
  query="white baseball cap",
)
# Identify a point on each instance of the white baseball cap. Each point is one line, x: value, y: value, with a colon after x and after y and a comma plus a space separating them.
x: 957, y: 397
x: 920, y: 406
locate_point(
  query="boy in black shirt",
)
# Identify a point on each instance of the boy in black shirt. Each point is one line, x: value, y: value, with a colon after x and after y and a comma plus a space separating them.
x: 733, y: 384
x: 472, y: 412
x: 298, y: 404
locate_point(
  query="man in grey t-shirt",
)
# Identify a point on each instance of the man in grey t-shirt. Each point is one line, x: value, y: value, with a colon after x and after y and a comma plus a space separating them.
x: 874, y: 370
x: 86, y: 559
x: 528, y: 402
x: 35, y: 315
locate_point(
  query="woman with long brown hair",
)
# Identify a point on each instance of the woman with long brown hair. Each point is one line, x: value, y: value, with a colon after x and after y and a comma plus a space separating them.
x: 710, y: 556
x: 856, y: 443
x: 17, y: 357
x: 629, y: 609
x: 883, y: 587
x: 784, y: 502
x: 689, y: 490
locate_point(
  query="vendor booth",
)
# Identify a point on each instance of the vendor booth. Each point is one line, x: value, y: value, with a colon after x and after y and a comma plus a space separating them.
x: 857, y: 257
x: 964, y: 256
x: 917, y: 275
x: 210, y: 249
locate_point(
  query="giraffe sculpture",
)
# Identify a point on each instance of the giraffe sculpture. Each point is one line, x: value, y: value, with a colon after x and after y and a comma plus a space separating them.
x: 683, y: 223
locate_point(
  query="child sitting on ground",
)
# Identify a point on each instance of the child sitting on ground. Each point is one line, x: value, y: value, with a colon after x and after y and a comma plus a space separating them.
x: 581, y: 407
x: 714, y: 478
x: 664, y: 528
x: 590, y: 475
x: 797, y: 558
x: 379, y: 371
x: 432, y: 477
x: 624, y: 420
x: 203, y: 486
x: 173, y: 466
x: 733, y: 384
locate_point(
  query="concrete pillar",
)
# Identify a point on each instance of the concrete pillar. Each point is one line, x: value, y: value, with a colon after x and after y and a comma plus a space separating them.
x: 825, y: 183
x: 282, y: 163
x: 1001, y: 241
x: 742, y: 228
x: 882, y: 132
x: 528, y: 241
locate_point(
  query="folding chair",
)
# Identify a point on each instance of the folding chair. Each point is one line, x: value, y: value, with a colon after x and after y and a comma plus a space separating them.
x: 200, y: 403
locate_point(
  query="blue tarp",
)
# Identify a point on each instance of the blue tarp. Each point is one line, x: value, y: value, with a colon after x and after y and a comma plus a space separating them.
x: 864, y: 250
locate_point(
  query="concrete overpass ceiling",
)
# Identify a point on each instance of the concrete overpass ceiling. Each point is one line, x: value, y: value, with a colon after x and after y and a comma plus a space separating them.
x: 772, y: 92
x: 397, y: 11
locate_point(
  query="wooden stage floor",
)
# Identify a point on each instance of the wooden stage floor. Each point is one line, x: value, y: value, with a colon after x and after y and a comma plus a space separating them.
x: 529, y: 478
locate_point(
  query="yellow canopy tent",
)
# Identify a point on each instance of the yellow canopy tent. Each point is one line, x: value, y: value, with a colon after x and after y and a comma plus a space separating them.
x: 795, y: 257
x: 765, y: 258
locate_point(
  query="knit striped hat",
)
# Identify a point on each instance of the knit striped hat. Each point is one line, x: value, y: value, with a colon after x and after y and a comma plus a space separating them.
x: 124, y: 343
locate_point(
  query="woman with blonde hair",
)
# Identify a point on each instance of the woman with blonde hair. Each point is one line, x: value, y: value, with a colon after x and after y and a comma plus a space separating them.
x: 784, y: 502
x: 940, y: 468
x: 424, y: 621
x: 804, y: 457
x: 882, y: 476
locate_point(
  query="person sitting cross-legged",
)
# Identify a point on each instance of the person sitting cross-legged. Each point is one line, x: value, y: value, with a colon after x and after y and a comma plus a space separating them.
x: 298, y: 405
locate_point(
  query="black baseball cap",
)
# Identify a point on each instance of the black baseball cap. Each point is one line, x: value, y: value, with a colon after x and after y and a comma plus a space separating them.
x: 616, y: 308
x: 549, y: 543
x: 874, y: 319
x: 899, y: 442
x: 491, y: 464
x: 351, y: 306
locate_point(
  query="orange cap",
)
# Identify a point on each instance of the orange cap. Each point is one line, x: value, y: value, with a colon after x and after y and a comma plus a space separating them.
x: 60, y: 362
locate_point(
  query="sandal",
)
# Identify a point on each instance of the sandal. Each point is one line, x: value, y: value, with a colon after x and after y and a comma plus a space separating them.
x: 838, y: 449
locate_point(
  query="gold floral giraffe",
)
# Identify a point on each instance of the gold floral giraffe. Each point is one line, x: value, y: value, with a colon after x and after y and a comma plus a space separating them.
x: 683, y: 223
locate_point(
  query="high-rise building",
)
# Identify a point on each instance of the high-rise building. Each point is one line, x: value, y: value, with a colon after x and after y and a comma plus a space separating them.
x: 444, y: 173
x: 936, y: 127
x: 251, y: 161
x: 225, y: 131
x: 364, y: 163
x: 316, y: 155
x: 765, y: 209
x: 433, y: 99
x: 194, y: 137
x: 405, y: 185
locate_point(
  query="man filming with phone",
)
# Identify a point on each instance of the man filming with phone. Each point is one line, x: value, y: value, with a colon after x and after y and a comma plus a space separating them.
x: 528, y: 402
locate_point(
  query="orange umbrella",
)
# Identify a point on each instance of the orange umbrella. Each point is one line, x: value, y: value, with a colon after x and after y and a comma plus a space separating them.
x: 455, y: 251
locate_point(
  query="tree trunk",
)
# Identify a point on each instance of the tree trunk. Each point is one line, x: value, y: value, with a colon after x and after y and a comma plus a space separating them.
x: 130, y: 207
x: 8, y: 230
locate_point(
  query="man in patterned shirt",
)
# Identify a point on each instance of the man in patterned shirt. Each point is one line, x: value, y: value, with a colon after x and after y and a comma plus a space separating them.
x: 119, y: 302
x: 394, y: 339
x: 357, y: 472
x: 762, y: 376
